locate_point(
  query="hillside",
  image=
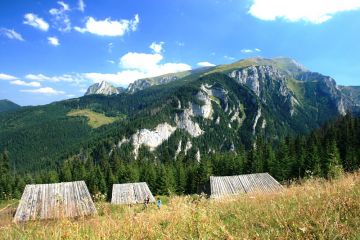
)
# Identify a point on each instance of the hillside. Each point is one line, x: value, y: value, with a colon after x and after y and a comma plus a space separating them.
x: 7, y: 105
x: 315, y: 209
x: 218, y: 109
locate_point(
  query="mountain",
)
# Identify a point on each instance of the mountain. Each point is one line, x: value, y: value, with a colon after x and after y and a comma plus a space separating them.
x: 7, y: 105
x: 353, y: 93
x: 189, y: 114
x: 103, y: 88
x: 142, y: 84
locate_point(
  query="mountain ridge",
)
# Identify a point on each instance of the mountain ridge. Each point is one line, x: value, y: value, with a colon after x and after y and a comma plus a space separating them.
x: 7, y: 105
x: 219, y: 109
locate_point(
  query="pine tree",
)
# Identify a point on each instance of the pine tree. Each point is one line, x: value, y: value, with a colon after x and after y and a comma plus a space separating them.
x: 149, y: 175
x: 78, y: 170
x: 180, y: 178
x: 65, y: 173
x: 164, y: 186
x: 333, y: 165
x: 204, y: 172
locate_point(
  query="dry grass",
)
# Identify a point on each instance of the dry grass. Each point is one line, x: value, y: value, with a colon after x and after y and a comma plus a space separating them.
x: 95, y: 119
x: 314, y: 210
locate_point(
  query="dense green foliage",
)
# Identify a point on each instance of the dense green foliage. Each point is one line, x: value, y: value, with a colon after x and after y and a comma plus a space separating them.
x: 6, y: 105
x: 246, y: 132
x: 326, y: 152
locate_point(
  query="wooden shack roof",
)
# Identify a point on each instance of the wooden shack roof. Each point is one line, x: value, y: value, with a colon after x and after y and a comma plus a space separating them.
x: 232, y: 185
x: 51, y: 201
x: 131, y: 193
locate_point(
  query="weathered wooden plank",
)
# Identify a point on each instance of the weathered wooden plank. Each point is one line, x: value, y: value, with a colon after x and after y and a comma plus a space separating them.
x: 50, y: 201
x: 131, y: 193
x: 232, y: 185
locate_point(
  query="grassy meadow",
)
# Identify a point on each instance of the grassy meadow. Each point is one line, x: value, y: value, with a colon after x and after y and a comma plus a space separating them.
x: 95, y: 119
x: 316, y: 209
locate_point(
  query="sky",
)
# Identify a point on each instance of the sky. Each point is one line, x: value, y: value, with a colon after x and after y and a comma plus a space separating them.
x: 53, y: 50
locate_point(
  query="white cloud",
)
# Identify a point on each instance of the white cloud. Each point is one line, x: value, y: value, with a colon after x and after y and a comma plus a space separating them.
x: 11, y: 34
x: 81, y: 5
x: 44, y: 90
x: 53, y: 41
x: 205, y: 64
x: 157, y: 47
x: 247, y: 51
x: 110, y: 47
x: 36, y: 22
x: 60, y: 19
x: 37, y: 77
x: 111, y: 61
x: 313, y: 11
x: 7, y: 77
x: 109, y: 27
x: 135, y: 22
x: 70, y: 78
x: 136, y: 66
x: 64, y: 5
x: 28, y: 84
x: 143, y: 61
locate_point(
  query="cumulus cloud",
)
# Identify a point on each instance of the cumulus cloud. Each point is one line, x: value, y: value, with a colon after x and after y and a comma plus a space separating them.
x: 44, y: 90
x: 108, y: 27
x: 53, y: 41
x: 137, y: 66
x: 246, y: 51
x: 69, y: 78
x: 36, y: 22
x: 7, y: 77
x: 81, y: 5
x: 205, y: 64
x: 11, y: 34
x: 28, y: 84
x: 313, y: 11
x: 157, y: 47
x: 60, y: 19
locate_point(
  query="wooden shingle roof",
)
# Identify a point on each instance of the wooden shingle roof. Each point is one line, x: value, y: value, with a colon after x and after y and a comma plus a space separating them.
x: 131, y: 193
x: 51, y: 201
x: 232, y: 185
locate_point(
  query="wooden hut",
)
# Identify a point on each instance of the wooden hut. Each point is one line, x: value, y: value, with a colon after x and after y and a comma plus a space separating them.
x: 52, y: 201
x: 131, y: 193
x: 233, y: 185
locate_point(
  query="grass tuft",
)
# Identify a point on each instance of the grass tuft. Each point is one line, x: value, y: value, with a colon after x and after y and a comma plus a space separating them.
x: 316, y: 209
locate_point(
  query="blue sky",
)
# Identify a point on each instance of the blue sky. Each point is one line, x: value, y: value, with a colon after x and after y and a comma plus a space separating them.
x: 53, y: 50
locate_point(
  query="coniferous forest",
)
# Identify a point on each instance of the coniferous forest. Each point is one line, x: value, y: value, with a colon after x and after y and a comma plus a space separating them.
x: 326, y: 152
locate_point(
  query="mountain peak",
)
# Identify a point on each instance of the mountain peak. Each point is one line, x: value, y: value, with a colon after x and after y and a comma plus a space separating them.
x: 6, y: 105
x: 102, y: 88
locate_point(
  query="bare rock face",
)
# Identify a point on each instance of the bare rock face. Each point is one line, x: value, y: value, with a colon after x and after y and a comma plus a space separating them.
x: 184, y: 121
x: 327, y: 85
x: 265, y: 80
x: 255, y: 76
x: 102, y: 88
x: 152, y: 138
x: 257, y: 117
x: 139, y: 85
x: 142, y: 84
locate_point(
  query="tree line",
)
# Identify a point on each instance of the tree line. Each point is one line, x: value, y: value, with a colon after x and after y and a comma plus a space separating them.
x: 327, y: 152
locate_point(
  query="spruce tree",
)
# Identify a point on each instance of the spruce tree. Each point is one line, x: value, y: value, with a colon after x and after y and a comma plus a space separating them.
x: 333, y: 164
